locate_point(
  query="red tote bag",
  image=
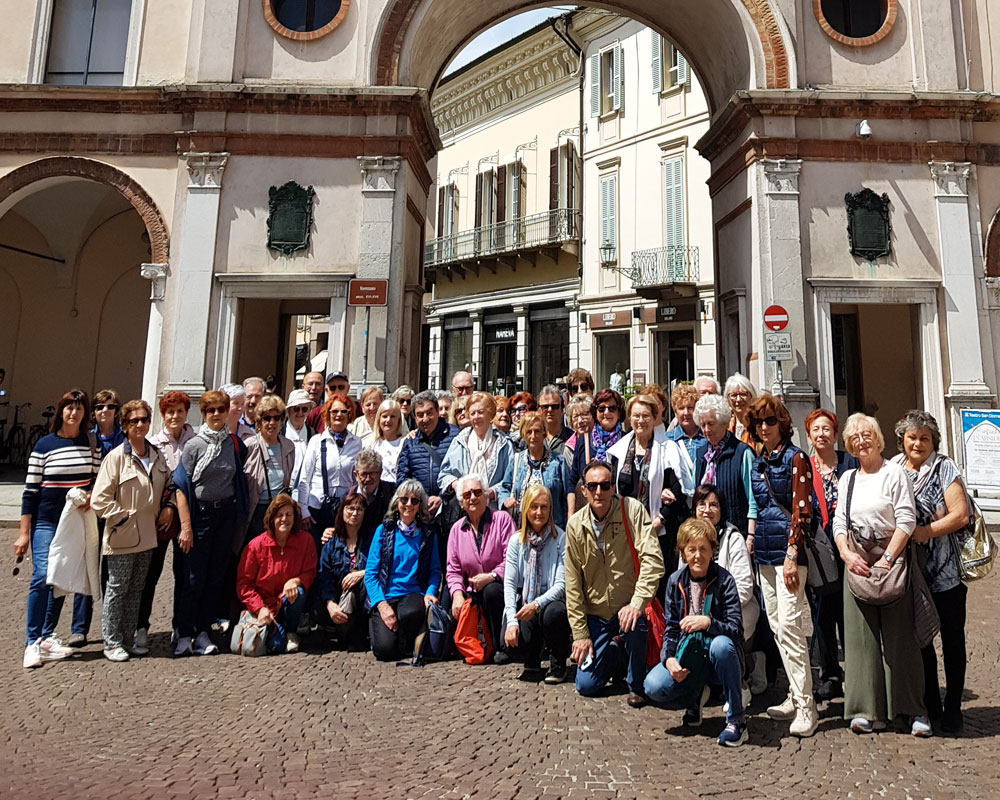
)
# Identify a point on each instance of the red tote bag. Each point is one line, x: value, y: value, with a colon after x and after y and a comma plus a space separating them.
x: 656, y: 620
x: 472, y: 634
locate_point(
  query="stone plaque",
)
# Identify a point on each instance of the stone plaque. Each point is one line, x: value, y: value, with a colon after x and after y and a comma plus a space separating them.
x: 289, y: 220
x: 868, y: 228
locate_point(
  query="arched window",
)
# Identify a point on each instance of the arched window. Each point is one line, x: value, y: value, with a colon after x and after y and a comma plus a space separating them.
x: 88, y: 42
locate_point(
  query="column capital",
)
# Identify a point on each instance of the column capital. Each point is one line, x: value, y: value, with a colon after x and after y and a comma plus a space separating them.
x: 475, y: 315
x: 378, y: 173
x: 156, y: 274
x: 951, y: 178
x: 205, y: 169
x: 782, y: 175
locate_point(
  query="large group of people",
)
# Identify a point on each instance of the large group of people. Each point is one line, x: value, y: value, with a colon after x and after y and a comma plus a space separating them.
x: 665, y: 542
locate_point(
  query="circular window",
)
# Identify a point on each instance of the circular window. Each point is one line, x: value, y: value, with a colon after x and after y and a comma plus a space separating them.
x: 856, y: 22
x: 305, y: 19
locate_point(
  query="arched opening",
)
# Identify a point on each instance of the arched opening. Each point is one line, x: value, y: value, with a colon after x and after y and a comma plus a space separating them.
x: 73, y: 234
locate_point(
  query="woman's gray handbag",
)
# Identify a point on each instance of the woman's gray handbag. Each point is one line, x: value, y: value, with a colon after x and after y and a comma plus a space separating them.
x: 884, y: 584
x: 249, y: 636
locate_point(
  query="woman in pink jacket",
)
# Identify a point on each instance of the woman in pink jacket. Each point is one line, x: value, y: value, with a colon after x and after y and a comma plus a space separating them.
x: 477, y: 553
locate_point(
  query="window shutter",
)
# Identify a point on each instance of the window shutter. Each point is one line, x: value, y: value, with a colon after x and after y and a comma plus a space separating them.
x: 479, y: 222
x: 554, y: 178
x: 574, y: 199
x: 440, y: 219
x: 618, y: 77
x: 595, y: 85
x: 657, y: 62
x: 454, y: 209
x: 609, y: 221
x: 501, y: 195
x: 522, y: 190
x: 673, y: 214
x: 683, y: 70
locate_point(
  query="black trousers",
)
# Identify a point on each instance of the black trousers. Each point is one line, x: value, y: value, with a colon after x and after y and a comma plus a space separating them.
x: 411, y: 615
x: 153, y: 577
x: 951, y: 608
x: 492, y: 598
x: 549, y: 627
x: 353, y: 633
x: 827, y: 617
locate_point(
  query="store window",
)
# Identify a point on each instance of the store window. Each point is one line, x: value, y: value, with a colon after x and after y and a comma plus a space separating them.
x: 549, y: 338
x: 614, y: 361
x: 457, y: 348
x: 88, y: 42
x: 674, y: 358
x: 304, y: 19
x: 499, y: 371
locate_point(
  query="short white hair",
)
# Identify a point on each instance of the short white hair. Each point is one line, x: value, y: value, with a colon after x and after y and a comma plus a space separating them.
x: 471, y: 476
x: 233, y: 390
x: 248, y: 381
x: 715, y: 384
x: 739, y: 381
x: 712, y: 404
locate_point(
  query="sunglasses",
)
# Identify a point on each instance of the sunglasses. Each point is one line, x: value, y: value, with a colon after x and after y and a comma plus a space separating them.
x: 271, y: 418
x: 106, y: 407
x: 410, y: 501
x: 472, y: 493
x: 17, y: 570
x: 217, y: 410
x: 338, y: 412
x: 520, y: 409
x: 139, y: 421
x: 769, y: 421
x: 606, y: 409
x: 580, y: 387
x: 593, y: 486
x: 550, y: 406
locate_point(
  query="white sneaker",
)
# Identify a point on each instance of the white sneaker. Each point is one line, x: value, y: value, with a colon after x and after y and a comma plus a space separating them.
x: 758, y: 678
x: 203, y: 645
x: 921, y: 727
x: 183, y: 647
x: 784, y: 710
x: 805, y: 721
x: 52, y: 649
x: 32, y: 656
x: 293, y: 644
x: 116, y: 654
x: 141, y: 640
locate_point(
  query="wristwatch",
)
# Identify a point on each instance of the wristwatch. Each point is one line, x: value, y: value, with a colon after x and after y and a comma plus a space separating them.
x: 888, y: 559
x: 495, y: 577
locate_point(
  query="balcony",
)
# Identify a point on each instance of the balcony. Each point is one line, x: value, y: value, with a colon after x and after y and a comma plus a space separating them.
x: 665, y: 273
x: 504, y: 242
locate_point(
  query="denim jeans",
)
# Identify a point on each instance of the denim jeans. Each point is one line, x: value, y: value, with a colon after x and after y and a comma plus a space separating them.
x: 203, y: 569
x: 612, y: 659
x: 663, y: 690
x: 285, y: 621
x: 43, y: 607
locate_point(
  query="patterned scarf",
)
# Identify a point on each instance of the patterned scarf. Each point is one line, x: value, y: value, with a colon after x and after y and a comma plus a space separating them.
x: 533, y: 567
x: 215, y: 440
x: 339, y: 438
x: 640, y: 485
x: 710, y: 457
x: 602, y: 440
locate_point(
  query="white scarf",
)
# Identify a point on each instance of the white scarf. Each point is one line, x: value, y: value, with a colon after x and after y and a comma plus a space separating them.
x: 479, y: 453
x: 215, y: 440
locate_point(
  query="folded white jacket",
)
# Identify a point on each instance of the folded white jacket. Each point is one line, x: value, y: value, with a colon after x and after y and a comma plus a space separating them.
x: 75, y: 551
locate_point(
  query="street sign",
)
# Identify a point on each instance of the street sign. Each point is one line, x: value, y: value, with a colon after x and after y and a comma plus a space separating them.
x: 775, y: 318
x: 367, y: 292
x: 778, y: 346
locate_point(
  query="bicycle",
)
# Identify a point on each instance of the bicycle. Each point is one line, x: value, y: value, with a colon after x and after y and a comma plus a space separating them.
x: 14, y: 446
x: 38, y: 431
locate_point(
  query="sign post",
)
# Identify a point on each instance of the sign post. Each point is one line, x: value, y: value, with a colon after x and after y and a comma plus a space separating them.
x: 777, y: 345
x: 367, y: 293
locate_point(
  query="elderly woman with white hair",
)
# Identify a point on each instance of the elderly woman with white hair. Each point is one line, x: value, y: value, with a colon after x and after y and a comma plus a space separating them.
x: 942, y: 509
x: 739, y: 393
x: 726, y: 463
x: 477, y: 556
x: 237, y: 405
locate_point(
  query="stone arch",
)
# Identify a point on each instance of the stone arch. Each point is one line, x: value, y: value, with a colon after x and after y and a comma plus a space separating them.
x: 751, y: 21
x: 73, y: 167
x: 993, y: 248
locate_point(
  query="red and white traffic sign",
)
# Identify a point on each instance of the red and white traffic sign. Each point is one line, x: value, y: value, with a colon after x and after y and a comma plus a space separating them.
x: 775, y: 318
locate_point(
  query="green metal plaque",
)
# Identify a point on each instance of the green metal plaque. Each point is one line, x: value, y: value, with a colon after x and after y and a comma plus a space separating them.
x: 868, y: 227
x: 289, y: 220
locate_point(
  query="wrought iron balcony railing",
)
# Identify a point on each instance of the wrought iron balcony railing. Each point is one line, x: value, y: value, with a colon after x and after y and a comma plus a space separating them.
x: 548, y: 229
x: 662, y: 266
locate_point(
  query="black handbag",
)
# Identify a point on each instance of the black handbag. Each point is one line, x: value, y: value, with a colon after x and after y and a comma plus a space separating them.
x: 325, y: 515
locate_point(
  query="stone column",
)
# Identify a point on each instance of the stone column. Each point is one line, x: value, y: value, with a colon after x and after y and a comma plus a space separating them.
x: 195, y: 267
x: 521, y: 346
x: 781, y: 282
x: 573, y: 312
x: 156, y: 274
x: 476, y: 317
x: 335, y: 355
x: 380, y: 258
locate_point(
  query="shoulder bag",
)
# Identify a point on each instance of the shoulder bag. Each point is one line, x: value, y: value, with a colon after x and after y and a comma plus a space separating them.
x: 327, y: 512
x: 656, y: 619
x: 884, y: 585
x: 249, y: 636
x: 975, y: 548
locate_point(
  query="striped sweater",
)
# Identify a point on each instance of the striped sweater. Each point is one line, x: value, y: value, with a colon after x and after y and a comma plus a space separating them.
x: 55, y: 466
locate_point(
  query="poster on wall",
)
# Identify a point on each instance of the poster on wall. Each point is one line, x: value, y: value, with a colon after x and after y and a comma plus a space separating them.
x: 981, y: 440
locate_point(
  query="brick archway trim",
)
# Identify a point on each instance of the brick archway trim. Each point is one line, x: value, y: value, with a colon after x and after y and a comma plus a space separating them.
x: 67, y: 166
x: 397, y: 21
x: 993, y: 248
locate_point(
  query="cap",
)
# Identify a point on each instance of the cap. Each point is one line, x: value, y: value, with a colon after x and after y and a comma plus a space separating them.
x: 335, y: 375
x: 298, y: 397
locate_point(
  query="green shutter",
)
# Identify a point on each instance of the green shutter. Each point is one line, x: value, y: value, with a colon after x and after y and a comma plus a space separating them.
x: 673, y: 214
x: 618, y: 62
x: 683, y: 70
x: 595, y: 85
x: 657, y: 62
x: 609, y: 211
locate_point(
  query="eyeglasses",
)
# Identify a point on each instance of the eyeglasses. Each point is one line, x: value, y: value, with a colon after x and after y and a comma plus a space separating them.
x: 338, y: 412
x: 354, y: 508
x: 580, y: 387
x: 580, y: 417
x: 106, y: 407
x: 217, y: 410
x: 410, y: 501
x: 472, y: 493
x: 593, y: 486
x: 606, y: 409
x: 367, y: 475
x: 520, y: 409
x: 139, y: 421
x: 16, y: 571
x: 866, y: 436
x: 550, y: 406
x: 271, y: 418
x: 742, y: 395
x: 769, y: 421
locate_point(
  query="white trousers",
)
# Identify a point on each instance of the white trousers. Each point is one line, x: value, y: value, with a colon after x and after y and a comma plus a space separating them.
x: 788, y: 615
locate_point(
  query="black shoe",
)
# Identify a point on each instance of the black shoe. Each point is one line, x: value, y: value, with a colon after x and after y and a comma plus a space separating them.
x: 952, y: 721
x: 531, y: 672
x: 636, y: 699
x: 501, y: 657
x: 828, y: 690
x: 556, y: 673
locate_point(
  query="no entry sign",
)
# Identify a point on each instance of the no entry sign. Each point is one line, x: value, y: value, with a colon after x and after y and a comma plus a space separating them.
x: 775, y: 318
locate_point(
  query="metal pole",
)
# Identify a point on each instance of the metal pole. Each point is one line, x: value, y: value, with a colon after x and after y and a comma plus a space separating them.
x: 364, y: 369
x: 781, y: 380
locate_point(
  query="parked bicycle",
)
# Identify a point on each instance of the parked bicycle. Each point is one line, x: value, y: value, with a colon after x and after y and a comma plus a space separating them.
x: 38, y: 431
x: 14, y: 442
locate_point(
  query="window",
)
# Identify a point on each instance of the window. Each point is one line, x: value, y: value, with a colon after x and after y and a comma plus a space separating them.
x: 677, y: 72
x: 673, y: 217
x: 305, y: 19
x: 457, y: 346
x: 606, y: 81
x: 511, y: 203
x: 447, y: 223
x: 609, y: 212
x: 549, y: 347
x: 88, y: 42
x: 564, y: 180
x: 855, y: 19
x: 485, y: 210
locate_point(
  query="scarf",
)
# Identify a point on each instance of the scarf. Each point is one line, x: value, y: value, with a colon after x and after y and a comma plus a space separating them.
x: 532, y: 568
x: 339, y: 438
x: 710, y: 456
x: 215, y: 440
x: 480, y: 452
x: 602, y: 440
x: 640, y: 485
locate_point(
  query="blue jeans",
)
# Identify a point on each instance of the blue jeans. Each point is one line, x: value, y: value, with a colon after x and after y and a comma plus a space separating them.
x: 611, y: 659
x: 287, y: 619
x: 43, y: 607
x: 724, y: 657
x: 203, y: 568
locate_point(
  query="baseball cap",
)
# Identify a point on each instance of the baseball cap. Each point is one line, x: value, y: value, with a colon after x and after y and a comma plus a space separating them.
x: 298, y: 397
x: 334, y: 375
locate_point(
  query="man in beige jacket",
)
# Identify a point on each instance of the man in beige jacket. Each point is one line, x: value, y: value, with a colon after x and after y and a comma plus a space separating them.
x: 605, y: 598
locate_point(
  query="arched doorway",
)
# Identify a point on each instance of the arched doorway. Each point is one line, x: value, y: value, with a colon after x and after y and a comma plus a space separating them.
x: 73, y: 234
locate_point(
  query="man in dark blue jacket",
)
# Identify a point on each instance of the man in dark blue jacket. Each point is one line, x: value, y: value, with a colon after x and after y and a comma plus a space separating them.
x: 703, y: 613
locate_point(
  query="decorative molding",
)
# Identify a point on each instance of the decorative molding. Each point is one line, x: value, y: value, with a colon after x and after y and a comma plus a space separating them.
x: 378, y: 173
x: 156, y: 274
x: 951, y: 179
x: 205, y: 170
x: 851, y: 291
x: 782, y: 175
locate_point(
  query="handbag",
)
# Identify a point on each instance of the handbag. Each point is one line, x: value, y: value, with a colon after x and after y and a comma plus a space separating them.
x: 174, y: 528
x: 325, y: 515
x: 249, y: 636
x: 975, y: 548
x: 348, y: 602
x: 656, y: 619
x: 472, y: 634
x: 884, y: 584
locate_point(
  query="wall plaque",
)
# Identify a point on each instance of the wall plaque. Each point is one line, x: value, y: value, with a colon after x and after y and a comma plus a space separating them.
x: 289, y: 220
x: 868, y: 228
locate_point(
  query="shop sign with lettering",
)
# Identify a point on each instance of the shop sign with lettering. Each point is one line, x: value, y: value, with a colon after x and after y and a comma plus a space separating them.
x: 611, y: 319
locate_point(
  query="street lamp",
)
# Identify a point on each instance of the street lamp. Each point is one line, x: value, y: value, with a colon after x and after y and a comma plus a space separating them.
x: 609, y: 254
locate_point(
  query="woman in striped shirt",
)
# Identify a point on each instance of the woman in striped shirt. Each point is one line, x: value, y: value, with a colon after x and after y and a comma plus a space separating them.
x: 62, y: 460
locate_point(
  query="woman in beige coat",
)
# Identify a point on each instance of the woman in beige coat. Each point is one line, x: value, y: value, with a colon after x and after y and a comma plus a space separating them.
x: 128, y: 494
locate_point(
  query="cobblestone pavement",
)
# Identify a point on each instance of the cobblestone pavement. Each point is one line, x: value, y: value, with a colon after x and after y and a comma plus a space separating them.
x: 341, y: 725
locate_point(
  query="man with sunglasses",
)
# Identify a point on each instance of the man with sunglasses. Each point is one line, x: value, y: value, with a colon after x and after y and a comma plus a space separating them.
x: 605, y: 594
x: 557, y: 432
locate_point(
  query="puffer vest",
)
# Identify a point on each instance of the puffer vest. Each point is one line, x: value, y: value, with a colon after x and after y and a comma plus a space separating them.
x: 388, y: 551
x: 771, y: 537
x: 729, y: 480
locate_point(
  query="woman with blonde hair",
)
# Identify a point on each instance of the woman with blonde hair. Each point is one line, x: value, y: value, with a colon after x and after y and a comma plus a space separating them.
x: 387, y: 438
x: 534, y: 590
x: 371, y: 399
x: 535, y: 465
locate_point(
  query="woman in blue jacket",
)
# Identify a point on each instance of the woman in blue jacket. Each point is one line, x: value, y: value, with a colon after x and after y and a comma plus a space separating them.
x: 535, y: 464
